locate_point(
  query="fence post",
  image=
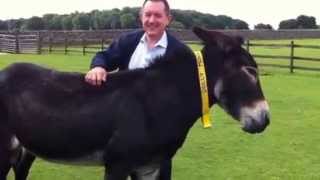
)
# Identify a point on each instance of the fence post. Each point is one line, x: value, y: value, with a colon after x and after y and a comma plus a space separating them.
x: 292, y: 57
x: 17, y: 48
x: 102, y: 44
x: 84, y: 46
x: 50, y: 43
x: 248, y: 45
x: 39, y: 43
x: 66, y: 45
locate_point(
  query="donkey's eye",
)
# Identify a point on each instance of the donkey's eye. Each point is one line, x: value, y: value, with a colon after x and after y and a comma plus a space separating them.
x: 252, y: 72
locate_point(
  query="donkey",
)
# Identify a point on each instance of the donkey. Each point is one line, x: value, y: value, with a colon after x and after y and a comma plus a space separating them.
x: 136, y: 120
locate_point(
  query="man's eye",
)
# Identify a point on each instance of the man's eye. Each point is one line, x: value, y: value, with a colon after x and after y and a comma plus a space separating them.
x: 147, y: 14
x: 157, y: 15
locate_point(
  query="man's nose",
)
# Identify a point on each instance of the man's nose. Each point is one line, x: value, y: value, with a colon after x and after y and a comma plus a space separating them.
x: 152, y: 19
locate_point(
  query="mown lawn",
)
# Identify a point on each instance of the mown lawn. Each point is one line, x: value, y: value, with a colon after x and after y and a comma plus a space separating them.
x: 287, y: 150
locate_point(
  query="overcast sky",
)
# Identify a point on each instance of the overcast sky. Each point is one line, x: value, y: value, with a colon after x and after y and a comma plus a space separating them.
x: 251, y: 11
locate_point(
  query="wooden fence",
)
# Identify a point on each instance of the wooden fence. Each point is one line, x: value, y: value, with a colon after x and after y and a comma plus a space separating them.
x: 86, y: 46
x: 291, y: 57
x: 34, y: 43
x: 19, y: 43
x: 66, y: 45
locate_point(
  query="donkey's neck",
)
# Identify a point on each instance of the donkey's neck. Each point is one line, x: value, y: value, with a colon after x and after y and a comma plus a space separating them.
x: 182, y: 76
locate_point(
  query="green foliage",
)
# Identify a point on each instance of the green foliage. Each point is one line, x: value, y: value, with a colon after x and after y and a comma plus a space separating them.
x: 307, y: 22
x: 66, y: 22
x: 128, y: 20
x: 261, y: 26
x: 301, y: 22
x: 115, y: 19
x: 81, y: 21
x: 3, y: 25
x: 125, y: 18
x: 289, y: 24
x: 35, y: 23
x: 239, y: 24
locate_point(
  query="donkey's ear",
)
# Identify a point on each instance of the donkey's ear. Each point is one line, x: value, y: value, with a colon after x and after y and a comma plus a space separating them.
x: 224, y: 42
x: 204, y: 35
x: 239, y: 39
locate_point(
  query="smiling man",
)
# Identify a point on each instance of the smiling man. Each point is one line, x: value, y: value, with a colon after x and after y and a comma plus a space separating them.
x: 137, y: 50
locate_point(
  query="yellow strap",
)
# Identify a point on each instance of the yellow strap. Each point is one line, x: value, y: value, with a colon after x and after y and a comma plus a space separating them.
x: 204, y: 90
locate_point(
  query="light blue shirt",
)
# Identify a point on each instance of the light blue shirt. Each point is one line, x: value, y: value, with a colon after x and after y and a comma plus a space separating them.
x: 143, y: 56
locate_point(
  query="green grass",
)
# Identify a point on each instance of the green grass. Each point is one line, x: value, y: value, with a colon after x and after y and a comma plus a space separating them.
x: 287, y: 150
x: 70, y: 62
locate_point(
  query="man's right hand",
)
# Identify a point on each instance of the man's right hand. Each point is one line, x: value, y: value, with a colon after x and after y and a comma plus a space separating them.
x: 96, y: 76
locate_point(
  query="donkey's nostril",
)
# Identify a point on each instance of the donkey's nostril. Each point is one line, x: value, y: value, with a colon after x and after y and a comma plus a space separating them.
x: 265, y: 118
x: 257, y: 125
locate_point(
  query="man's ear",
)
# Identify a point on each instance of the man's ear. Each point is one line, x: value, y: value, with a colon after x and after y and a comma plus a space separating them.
x: 170, y: 19
x: 140, y: 14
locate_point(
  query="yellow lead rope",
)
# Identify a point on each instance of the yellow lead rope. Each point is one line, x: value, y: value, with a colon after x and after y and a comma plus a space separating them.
x: 204, y: 90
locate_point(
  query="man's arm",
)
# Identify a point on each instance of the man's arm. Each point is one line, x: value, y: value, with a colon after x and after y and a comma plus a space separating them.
x: 109, y: 59
x: 104, y: 61
x: 116, y: 56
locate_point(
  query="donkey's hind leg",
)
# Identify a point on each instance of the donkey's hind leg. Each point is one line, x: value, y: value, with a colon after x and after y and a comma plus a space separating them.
x: 4, y: 164
x: 4, y: 170
x: 23, y: 164
x: 5, y: 154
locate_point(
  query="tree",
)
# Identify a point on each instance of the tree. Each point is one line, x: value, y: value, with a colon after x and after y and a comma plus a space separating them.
x: 66, y: 22
x: 95, y: 19
x: 263, y: 26
x: 3, y: 25
x: 125, y: 18
x: 56, y: 23
x: 35, y: 23
x: 239, y: 24
x: 47, y: 18
x: 115, y: 22
x: 225, y: 22
x: 128, y: 21
x: 288, y: 24
x: 306, y: 22
x: 81, y: 21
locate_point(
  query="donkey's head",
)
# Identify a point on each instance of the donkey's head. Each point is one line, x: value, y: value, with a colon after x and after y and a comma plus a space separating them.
x: 233, y: 80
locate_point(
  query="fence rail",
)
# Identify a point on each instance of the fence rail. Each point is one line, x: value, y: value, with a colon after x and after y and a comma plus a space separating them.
x: 291, y: 57
x: 19, y: 43
x: 35, y: 43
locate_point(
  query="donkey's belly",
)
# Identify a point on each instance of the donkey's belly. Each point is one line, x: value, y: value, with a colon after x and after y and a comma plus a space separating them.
x: 95, y: 158
x: 92, y: 159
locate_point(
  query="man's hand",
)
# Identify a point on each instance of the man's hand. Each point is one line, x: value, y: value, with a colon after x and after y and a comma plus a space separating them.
x: 96, y: 76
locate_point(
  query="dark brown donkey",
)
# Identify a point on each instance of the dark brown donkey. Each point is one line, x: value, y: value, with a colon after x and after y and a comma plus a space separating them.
x: 133, y: 122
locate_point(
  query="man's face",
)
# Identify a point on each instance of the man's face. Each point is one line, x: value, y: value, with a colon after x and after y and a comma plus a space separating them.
x: 154, y: 18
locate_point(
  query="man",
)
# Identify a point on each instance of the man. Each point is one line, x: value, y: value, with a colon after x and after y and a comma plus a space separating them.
x: 137, y: 50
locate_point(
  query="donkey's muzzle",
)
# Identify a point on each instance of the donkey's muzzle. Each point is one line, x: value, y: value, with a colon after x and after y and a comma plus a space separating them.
x: 257, y: 125
x: 255, y: 119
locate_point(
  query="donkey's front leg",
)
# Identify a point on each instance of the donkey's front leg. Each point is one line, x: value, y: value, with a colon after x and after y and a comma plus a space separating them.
x: 148, y: 172
x: 22, y: 166
x: 116, y: 172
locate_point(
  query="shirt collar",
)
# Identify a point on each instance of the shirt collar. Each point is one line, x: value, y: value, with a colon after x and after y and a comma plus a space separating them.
x: 163, y: 42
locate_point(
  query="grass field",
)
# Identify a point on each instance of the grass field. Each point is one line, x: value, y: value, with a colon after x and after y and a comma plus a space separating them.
x: 288, y: 150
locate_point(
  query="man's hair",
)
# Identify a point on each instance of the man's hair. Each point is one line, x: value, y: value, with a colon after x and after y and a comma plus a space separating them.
x: 165, y: 2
